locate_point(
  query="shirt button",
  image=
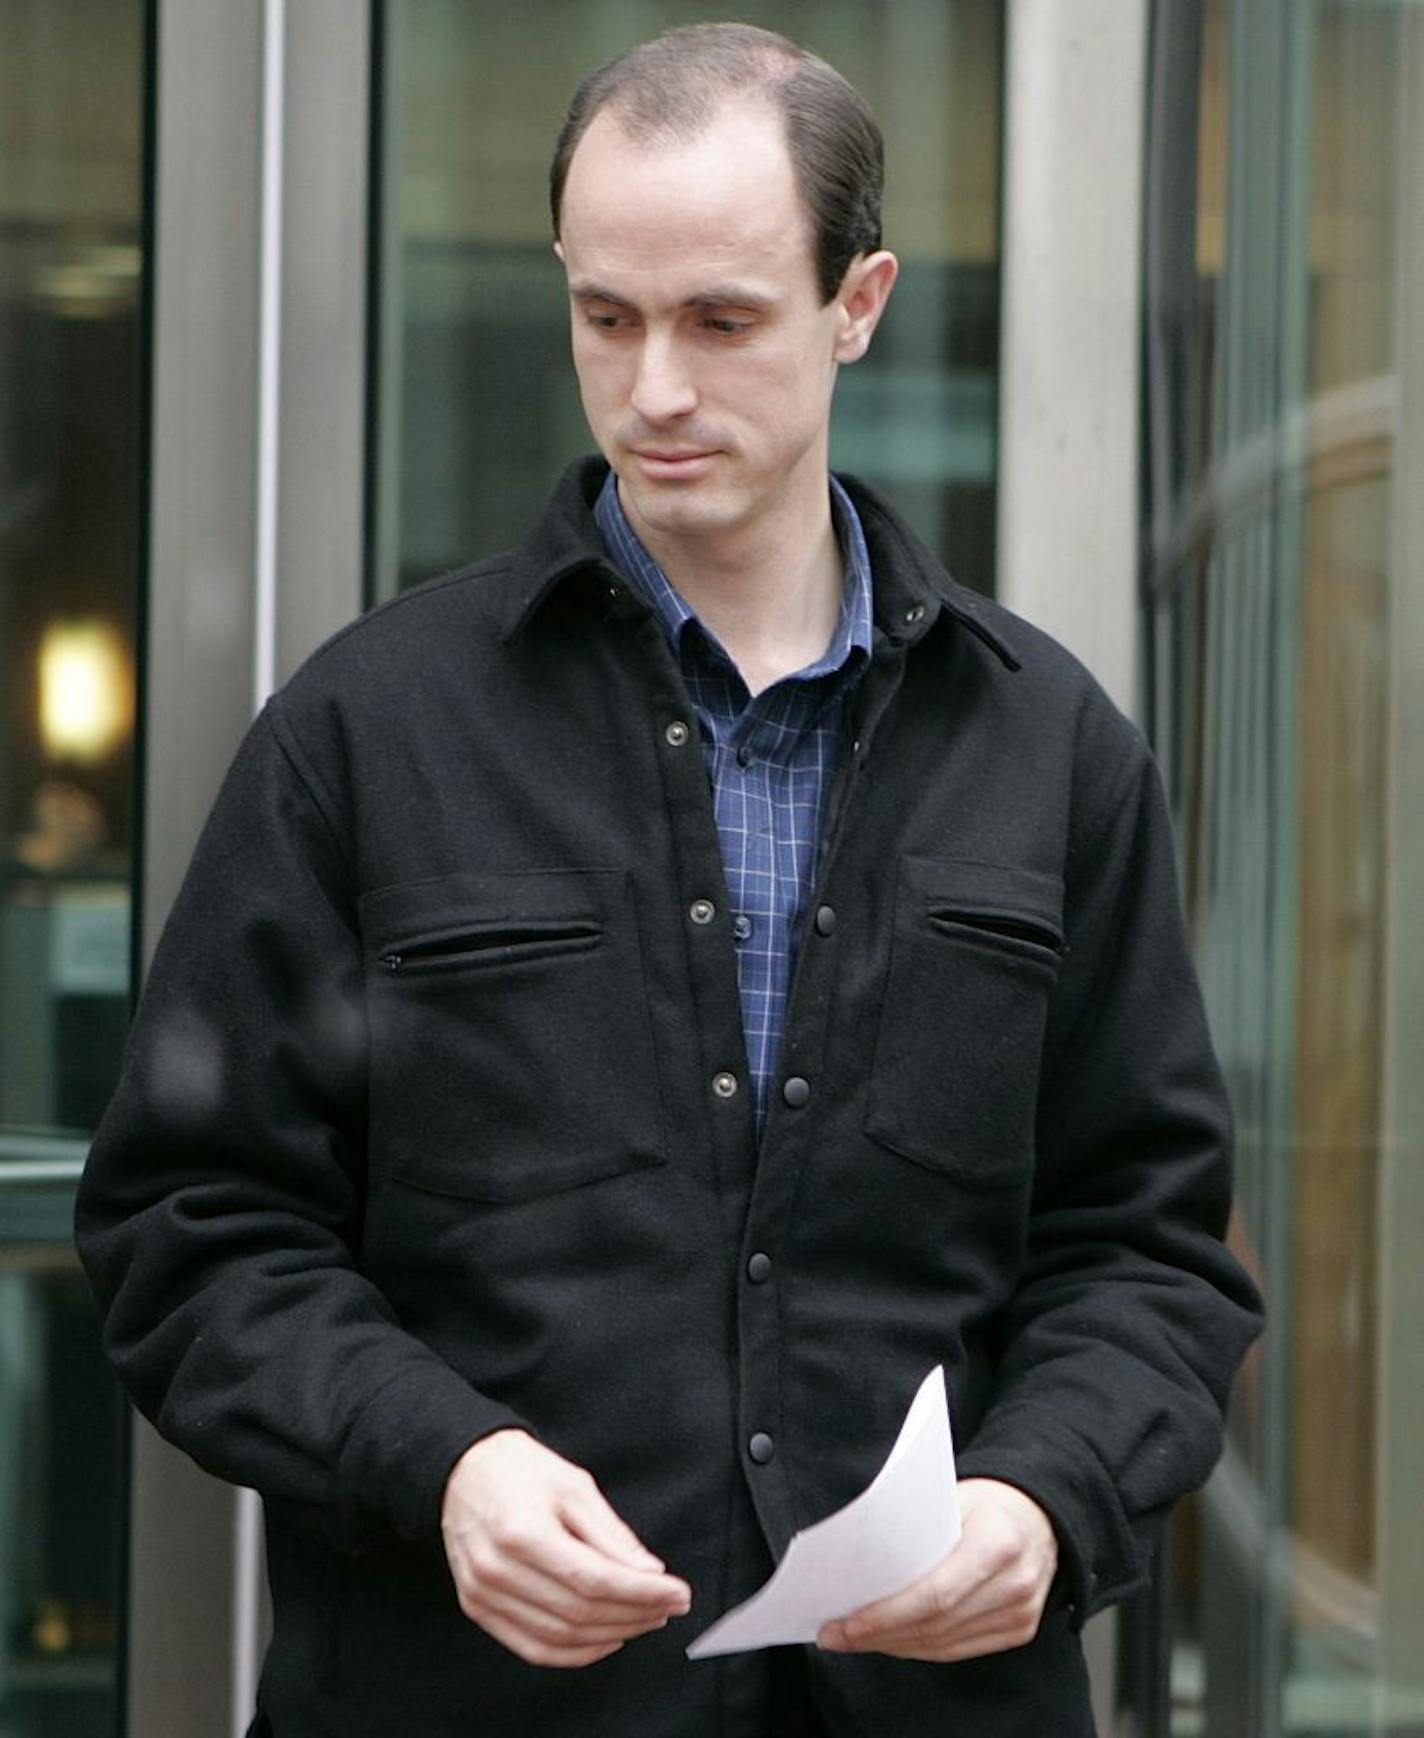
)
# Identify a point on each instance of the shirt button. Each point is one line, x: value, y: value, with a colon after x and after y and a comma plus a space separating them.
x: 742, y: 926
x: 796, y: 1091
x: 676, y: 733
x: 759, y: 1267
x: 702, y: 911
x: 825, y: 919
x: 724, y: 1085
x: 745, y: 757
x: 761, y: 1448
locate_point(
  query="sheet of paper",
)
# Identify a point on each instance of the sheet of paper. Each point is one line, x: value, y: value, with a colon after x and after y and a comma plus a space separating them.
x: 895, y: 1531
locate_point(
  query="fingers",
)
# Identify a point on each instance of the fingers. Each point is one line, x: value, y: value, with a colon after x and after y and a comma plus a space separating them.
x: 548, y: 1568
x: 985, y: 1597
x: 543, y: 1563
x: 592, y: 1518
x: 934, y: 1602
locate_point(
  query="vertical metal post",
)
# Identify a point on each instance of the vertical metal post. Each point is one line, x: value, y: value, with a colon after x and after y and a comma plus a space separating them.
x: 1399, y: 1431
x: 1068, y: 395
x: 257, y: 483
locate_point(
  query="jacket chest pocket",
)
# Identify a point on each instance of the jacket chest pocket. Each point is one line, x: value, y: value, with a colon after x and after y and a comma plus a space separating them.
x: 511, y: 1042
x: 974, y: 956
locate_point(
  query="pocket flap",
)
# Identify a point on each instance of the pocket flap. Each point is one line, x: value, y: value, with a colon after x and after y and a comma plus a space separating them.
x: 528, y: 900
x: 1032, y: 898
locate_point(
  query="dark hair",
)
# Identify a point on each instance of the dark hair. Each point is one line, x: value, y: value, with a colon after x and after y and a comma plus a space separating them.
x: 672, y: 87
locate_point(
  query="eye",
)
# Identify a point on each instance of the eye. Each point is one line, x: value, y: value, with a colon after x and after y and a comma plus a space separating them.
x: 727, y: 328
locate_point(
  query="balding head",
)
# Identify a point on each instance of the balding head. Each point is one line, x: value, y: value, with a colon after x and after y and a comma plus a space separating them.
x: 667, y: 91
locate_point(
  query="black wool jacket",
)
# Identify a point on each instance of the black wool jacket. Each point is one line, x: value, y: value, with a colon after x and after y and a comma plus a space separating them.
x: 435, y: 1119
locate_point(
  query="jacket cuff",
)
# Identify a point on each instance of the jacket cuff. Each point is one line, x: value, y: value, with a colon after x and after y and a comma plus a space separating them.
x: 1099, y: 1561
x: 399, y: 1452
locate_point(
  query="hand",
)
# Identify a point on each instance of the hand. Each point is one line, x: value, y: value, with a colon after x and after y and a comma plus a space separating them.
x: 985, y: 1597
x: 541, y: 1561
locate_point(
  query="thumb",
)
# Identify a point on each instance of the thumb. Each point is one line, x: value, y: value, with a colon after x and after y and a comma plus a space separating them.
x: 589, y: 1514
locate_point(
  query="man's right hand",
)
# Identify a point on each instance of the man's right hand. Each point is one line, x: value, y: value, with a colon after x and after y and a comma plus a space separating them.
x: 542, y: 1562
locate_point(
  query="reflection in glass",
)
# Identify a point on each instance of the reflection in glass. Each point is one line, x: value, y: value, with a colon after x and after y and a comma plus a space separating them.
x: 60, y: 1491
x: 1280, y: 499
x: 71, y: 145
x: 71, y: 110
x: 478, y: 409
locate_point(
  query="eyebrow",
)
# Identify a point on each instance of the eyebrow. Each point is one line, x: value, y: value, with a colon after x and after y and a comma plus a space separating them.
x: 717, y: 296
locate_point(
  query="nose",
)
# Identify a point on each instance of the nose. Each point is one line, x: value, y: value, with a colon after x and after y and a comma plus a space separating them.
x: 663, y: 389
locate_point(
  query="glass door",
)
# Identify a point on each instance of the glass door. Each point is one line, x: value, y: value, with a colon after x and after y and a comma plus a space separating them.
x: 1286, y: 303
x: 72, y: 102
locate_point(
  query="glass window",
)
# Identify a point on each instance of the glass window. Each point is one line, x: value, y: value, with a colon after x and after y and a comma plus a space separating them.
x: 477, y: 408
x: 71, y: 189
x: 1285, y: 309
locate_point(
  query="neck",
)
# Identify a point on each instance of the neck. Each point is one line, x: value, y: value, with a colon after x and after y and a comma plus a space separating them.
x: 770, y: 591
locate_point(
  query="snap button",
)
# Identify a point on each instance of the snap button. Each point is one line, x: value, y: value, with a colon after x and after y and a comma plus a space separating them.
x: 761, y: 1448
x: 702, y: 911
x: 796, y: 1091
x: 724, y: 1085
x: 914, y: 613
x: 741, y: 926
x: 759, y: 1267
x: 676, y: 733
x: 825, y: 919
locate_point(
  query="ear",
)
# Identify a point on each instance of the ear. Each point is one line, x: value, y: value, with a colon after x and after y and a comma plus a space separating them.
x: 860, y: 301
x: 559, y: 252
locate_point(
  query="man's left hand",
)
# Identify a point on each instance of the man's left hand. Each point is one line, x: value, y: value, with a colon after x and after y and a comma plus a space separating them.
x: 985, y: 1597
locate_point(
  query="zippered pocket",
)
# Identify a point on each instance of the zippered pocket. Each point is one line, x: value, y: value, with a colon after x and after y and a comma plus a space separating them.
x: 513, y: 1056
x: 498, y: 943
x: 1032, y: 932
x: 975, y: 952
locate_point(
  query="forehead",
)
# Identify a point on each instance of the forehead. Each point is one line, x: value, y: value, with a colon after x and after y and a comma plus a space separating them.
x: 725, y: 199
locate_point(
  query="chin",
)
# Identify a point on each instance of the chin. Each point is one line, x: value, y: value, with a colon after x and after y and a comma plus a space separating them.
x: 680, y: 510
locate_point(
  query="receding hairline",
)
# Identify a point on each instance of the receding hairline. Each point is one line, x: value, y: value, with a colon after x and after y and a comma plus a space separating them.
x: 670, y: 90
x: 648, y: 138
x: 673, y: 88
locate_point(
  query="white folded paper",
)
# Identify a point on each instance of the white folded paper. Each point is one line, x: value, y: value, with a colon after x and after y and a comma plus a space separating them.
x: 898, y: 1528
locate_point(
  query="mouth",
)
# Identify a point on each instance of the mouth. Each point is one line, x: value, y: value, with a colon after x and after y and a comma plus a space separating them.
x: 669, y: 463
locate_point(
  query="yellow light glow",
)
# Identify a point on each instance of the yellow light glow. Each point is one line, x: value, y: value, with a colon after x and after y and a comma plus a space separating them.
x: 86, y: 691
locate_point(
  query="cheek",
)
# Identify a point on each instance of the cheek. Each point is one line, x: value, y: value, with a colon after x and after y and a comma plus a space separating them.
x: 598, y: 372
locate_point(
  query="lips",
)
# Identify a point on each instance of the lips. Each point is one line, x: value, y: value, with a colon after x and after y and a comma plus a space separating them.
x: 672, y: 464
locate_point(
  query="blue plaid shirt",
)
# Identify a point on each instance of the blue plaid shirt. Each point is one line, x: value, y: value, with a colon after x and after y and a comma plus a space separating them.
x: 771, y: 759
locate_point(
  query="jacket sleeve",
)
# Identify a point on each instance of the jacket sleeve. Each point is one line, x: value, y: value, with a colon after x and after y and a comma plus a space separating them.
x: 1131, y: 1316
x: 219, y: 1217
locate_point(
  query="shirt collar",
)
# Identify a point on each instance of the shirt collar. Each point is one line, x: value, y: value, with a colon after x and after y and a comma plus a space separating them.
x: 565, y: 549
x: 851, y: 641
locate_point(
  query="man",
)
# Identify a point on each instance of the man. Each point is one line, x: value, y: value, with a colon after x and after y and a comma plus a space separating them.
x: 639, y: 1004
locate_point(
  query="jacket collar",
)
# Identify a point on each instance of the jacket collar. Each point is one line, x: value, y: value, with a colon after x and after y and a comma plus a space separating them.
x: 911, y: 586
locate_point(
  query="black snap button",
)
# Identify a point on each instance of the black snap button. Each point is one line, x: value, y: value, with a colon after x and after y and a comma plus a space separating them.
x: 914, y: 614
x: 825, y: 919
x: 796, y: 1091
x: 761, y: 1448
x: 702, y: 911
x: 677, y: 733
x: 759, y: 1267
x: 742, y: 926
